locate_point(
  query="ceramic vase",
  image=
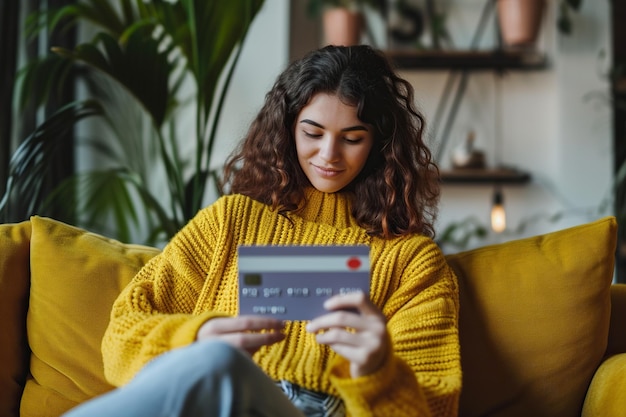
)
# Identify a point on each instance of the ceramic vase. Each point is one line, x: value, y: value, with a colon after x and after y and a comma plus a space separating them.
x: 342, y: 27
x: 520, y: 22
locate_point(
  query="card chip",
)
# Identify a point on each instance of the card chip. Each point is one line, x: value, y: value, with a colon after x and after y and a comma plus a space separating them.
x: 252, y: 279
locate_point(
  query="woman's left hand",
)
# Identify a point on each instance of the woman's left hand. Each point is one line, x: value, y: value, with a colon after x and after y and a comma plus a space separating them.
x: 361, y: 337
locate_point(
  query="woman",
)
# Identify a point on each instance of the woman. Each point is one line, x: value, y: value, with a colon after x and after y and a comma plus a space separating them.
x: 335, y: 156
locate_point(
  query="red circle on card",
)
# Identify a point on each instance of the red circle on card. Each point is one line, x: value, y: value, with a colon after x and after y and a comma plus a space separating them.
x: 354, y: 263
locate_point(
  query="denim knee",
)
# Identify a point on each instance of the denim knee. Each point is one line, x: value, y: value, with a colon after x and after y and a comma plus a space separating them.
x: 218, y: 356
x: 203, y: 356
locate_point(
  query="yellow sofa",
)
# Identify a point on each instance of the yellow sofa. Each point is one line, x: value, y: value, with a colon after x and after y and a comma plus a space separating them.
x: 542, y: 328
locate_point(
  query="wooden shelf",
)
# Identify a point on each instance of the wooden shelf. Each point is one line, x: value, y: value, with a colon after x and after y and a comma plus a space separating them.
x: 468, y: 60
x: 485, y: 176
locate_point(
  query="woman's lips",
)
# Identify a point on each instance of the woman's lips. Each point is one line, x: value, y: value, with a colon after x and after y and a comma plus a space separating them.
x: 327, y: 172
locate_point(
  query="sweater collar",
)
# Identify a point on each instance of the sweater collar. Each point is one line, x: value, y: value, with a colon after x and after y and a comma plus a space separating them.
x: 328, y: 208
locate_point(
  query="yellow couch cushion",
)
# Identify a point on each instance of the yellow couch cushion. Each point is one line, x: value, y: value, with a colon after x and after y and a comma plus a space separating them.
x: 534, y: 320
x: 14, y: 283
x: 75, y: 277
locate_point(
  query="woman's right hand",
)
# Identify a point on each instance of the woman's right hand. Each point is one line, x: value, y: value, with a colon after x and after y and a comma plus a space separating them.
x: 245, y: 332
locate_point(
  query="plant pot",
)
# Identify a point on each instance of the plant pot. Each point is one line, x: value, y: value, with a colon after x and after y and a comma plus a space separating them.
x: 342, y: 26
x: 520, y: 21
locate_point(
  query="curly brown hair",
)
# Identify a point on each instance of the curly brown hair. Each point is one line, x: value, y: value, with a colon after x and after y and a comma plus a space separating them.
x: 397, y: 191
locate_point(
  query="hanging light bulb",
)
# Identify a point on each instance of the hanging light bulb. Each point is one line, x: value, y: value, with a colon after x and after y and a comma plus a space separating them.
x: 498, y: 215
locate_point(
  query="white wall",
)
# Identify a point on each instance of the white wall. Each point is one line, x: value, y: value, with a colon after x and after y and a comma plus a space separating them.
x: 264, y: 56
x: 548, y: 127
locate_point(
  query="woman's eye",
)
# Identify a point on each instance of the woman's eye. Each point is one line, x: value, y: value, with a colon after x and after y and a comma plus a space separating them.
x: 311, y: 135
x: 353, y: 140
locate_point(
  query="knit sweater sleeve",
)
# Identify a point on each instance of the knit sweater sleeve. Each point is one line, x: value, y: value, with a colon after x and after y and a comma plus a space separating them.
x: 423, y: 375
x: 156, y: 312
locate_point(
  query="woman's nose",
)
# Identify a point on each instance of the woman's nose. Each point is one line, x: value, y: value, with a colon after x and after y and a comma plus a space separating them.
x: 329, y: 149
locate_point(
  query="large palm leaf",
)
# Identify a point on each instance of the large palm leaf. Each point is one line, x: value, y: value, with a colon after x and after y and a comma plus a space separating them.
x: 30, y: 164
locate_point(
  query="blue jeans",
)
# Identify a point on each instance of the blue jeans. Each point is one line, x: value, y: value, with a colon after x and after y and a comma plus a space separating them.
x: 204, y: 379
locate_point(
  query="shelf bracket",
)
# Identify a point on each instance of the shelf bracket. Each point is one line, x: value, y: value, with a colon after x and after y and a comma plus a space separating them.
x: 442, y: 139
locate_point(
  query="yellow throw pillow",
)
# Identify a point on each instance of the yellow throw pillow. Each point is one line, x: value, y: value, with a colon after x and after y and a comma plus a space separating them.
x: 14, y: 274
x: 75, y: 277
x: 534, y: 320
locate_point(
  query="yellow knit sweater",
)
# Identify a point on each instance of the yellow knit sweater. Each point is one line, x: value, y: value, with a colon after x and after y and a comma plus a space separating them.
x: 195, y: 279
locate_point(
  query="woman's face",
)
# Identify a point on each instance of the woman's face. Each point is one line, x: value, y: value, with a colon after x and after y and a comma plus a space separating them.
x: 331, y: 142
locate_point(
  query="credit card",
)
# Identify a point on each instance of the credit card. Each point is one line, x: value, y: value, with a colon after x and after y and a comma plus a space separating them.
x: 292, y: 282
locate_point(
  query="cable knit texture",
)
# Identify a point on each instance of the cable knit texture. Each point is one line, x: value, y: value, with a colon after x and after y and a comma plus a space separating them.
x: 195, y: 279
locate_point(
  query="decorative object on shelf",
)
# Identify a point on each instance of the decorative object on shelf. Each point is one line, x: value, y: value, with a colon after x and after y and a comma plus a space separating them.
x: 564, y: 19
x: 520, y: 22
x: 417, y: 25
x: 498, y: 214
x: 343, y: 21
x: 405, y: 25
x: 466, y: 156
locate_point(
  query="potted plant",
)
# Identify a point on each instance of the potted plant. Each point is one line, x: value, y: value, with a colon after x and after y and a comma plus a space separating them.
x: 520, y: 20
x: 343, y: 21
x: 134, y: 68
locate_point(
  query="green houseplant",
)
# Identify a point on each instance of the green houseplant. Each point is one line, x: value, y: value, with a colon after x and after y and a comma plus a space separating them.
x: 135, y: 69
